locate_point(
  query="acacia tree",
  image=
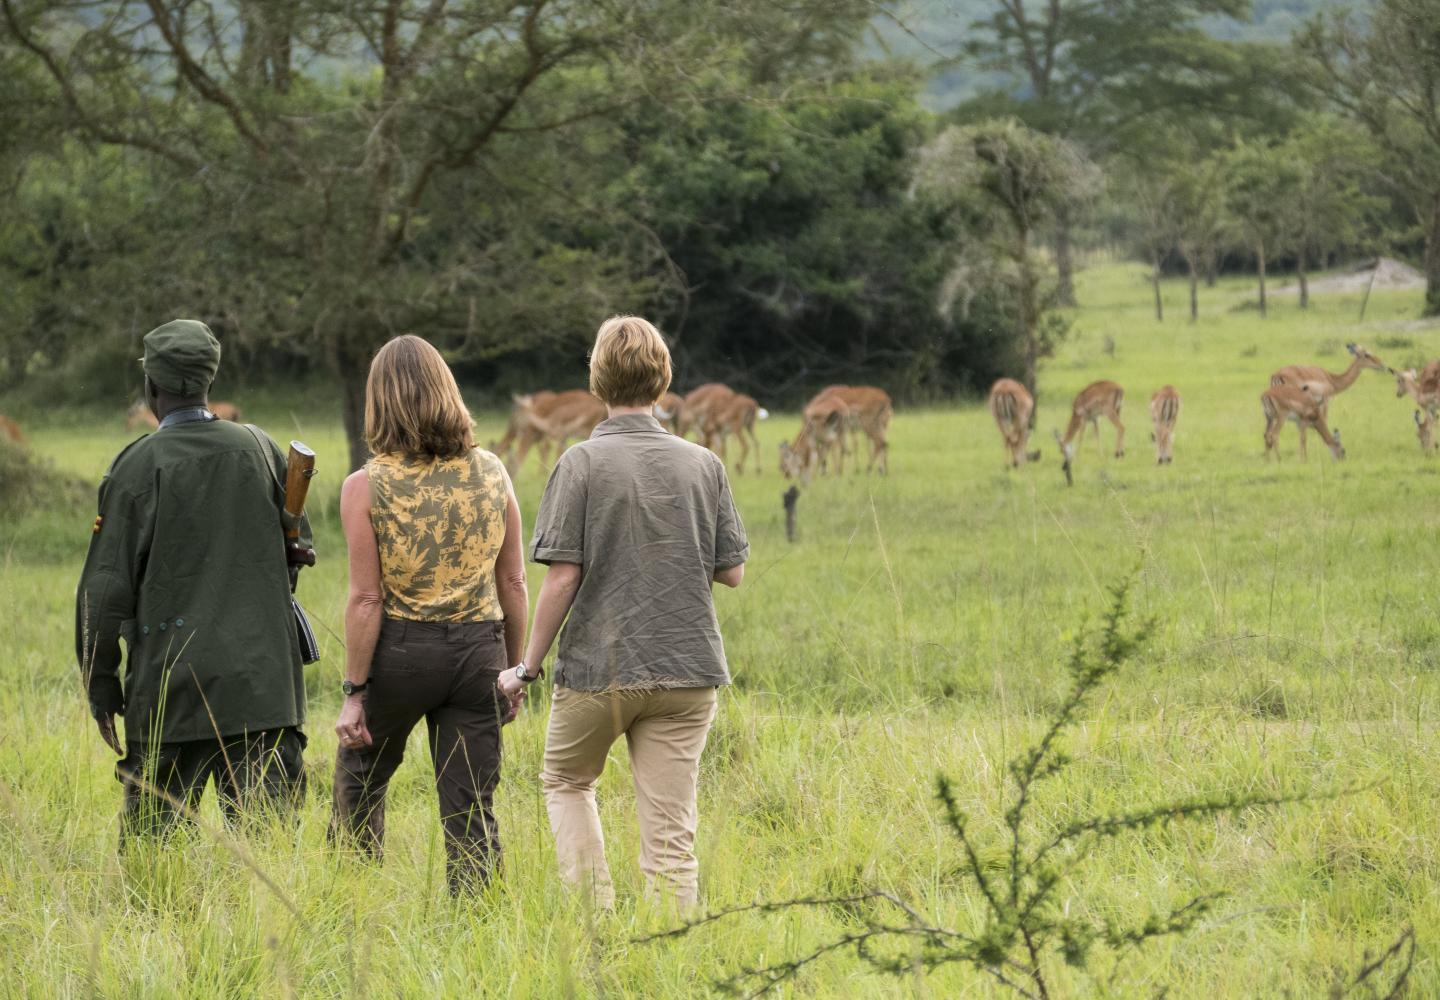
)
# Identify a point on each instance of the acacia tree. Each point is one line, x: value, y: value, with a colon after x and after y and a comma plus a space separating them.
x: 430, y: 183
x: 1150, y: 192
x: 1202, y: 224
x: 1097, y: 72
x: 1260, y: 191
x: 1383, y: 72
x: 1007, y: 183
x: 1328, y: 204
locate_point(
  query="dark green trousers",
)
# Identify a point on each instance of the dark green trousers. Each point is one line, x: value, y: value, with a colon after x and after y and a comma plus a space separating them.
x: 253, y: 771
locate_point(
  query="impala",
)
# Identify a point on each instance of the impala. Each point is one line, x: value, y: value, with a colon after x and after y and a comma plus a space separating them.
x: 1094, y: 401
x: 1164, y: 411
x: 10, y: 430
x: 1427, y: 399
x: 869, y: 409
x: 139, y: 415
x: 1325, y: 386
x: 668, y: 411
x: 699, y: 404
x: 737, y: 416
x: 822, y: 430
x: 226, y: 411
x: 518, y: 427
x: 1011, y: 405
x: 522, y: 432
x: 1297, y: 403
x: 554, y: 421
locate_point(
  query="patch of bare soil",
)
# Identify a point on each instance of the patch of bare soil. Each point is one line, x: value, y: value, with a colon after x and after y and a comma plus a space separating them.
x: 1389, y: 275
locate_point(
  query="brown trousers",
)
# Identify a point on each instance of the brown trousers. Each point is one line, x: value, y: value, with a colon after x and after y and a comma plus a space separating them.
x: 666, y: 730
x: 445, y: 673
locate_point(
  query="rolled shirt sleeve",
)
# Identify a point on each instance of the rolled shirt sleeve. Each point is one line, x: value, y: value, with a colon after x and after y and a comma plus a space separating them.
x: 732, y: 547
x: 560, y: 522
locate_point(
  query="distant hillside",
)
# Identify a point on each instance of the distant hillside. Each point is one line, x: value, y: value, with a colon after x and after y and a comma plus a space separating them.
x: 929, y: 29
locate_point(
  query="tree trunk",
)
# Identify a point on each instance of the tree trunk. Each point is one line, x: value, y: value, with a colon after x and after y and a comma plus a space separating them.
x: 352, y: 388
x: 1064, y: 257
x: 1029, y: 308
x: 1432, y: 260
x: 1304, y: 279
x: 1194, y: 292
x: 1260, y: 254
x: 1155, y: 280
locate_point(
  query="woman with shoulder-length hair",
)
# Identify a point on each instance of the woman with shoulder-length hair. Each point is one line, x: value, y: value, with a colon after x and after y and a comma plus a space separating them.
x: 635, y: 525
x: 436, y: 610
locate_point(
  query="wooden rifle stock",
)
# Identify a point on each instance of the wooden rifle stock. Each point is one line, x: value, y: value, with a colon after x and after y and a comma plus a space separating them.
x: 299, y: 470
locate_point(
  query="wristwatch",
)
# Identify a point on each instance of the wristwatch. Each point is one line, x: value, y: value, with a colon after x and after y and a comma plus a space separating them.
x: 350, y: 688
x: 524, y: 676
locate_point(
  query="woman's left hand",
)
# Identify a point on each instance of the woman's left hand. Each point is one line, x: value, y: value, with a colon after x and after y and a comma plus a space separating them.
x: 350, y: 727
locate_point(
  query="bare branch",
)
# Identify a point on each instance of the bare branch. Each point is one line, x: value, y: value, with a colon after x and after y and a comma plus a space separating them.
x: 205, y: 85
x: 89, y: 125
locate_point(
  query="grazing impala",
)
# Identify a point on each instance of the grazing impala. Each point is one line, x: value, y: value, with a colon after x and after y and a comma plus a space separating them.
x: 226, y: 411
x: 821, y: 432
x: 737, y: 416
x: 869, y: 409
x: 1011, y: 404
x: 10, y: 431
x: 1427, y: 399
x: 668, y: 411
x: 1094, y: 401
x: 1164, y: 411
x: 1287, y: 402
x: 698, y: 406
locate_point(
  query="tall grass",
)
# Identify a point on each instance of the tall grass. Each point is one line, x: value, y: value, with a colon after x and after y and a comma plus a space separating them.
x: 918, y: 624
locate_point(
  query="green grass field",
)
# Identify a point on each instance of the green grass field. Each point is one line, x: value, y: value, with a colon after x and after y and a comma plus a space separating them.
x: 919, y: 624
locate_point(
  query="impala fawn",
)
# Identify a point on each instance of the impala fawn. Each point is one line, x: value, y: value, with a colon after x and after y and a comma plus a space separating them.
x: 1095, y: 400
x: 1011, y: 405
x: 822, y: 432
x: 1164, y: 411
x: 1426, y: 392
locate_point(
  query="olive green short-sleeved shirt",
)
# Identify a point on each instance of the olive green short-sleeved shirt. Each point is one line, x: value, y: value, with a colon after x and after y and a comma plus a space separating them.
x: 649, y: 519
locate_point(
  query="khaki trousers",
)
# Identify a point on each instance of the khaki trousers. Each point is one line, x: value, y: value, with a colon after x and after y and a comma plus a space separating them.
x: 665, y: 730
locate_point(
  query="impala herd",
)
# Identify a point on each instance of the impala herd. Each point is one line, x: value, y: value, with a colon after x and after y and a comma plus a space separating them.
x: 1298, y: 393
x: 834, y: 420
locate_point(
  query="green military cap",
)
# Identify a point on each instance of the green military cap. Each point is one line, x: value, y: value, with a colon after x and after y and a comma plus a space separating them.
x: 182, y: 357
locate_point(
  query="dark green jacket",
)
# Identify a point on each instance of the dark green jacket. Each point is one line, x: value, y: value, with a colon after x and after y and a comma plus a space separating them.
x: 187, y: 565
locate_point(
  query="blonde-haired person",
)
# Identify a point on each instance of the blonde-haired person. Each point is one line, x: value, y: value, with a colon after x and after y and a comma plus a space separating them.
x: 635, y: 525
x: 436, y: 610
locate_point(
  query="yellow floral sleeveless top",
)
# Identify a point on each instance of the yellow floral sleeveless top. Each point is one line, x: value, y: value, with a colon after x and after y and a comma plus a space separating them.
x: 439, y: 525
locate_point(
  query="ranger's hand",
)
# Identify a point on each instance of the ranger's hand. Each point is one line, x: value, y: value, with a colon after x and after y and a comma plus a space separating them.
x: 106, y: 724
x: 296, y: 556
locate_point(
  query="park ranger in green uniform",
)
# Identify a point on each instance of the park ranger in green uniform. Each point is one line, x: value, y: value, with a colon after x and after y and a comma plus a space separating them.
x: 188, y: 565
